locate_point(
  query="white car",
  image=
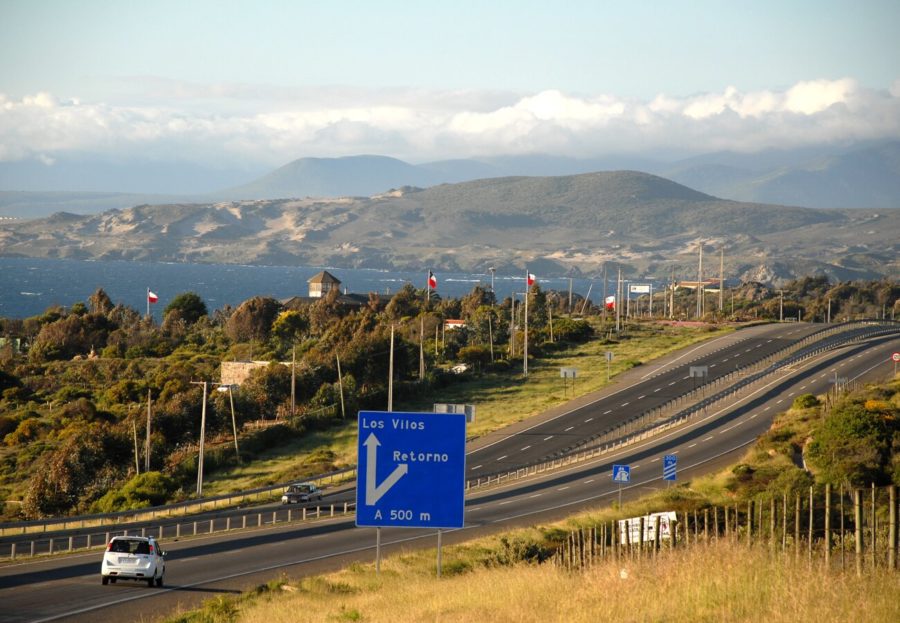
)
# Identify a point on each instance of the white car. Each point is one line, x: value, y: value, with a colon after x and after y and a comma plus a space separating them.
x: 133, y: 558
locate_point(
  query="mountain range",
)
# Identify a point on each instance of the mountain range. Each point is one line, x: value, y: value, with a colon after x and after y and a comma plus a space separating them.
x: 862, y: 176
x: 573, y: 224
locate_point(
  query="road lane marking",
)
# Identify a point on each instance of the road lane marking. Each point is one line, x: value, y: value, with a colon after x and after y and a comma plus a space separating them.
x: 588, y: 420
x: 625, y: 404
x: 657, y: 389
x: 642, y: 397
x: 563, y: 488
x: 568, y: 429
x: 476, y: 467
x: 524, y: 449
x: 692, y: 445
x: 707, y: 439
x: 502, y: 457
x: 609, y: 411
x: 536, y: 495
x: 504, y: 503
x: 587, y: 482
x: 548, y: 438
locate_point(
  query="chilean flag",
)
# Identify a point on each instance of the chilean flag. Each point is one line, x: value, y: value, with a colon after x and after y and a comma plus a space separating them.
x: 610, y: 303
x: 151, y: 297
x: 432, y: 280
x: 530, y: 279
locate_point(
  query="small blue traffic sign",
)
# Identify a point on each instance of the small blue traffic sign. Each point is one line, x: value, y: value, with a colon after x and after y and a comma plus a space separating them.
x: 411, y: 469
x: 621, y: 473
x: 670, y: 461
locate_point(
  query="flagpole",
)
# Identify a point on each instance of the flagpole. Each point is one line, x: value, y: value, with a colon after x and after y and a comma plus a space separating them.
x: 427, y: 288
x: 148, y: 302
x: 527, y: 288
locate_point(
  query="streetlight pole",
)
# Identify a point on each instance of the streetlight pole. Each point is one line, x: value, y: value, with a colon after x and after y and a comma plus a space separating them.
x: 223, y: 388
x: 781, y: 306
x: 202, y: 438
x: 492, y: 270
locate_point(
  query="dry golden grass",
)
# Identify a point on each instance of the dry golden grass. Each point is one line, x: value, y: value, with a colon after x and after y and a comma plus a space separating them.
x: 721, y: 583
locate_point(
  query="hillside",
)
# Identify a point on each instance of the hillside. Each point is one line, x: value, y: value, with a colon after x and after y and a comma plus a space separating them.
x: 556, y: 225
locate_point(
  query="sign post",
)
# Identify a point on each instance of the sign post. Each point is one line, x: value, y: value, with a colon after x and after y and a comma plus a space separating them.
x: 895, y: 358
x: 609, y: 358
x: 567, y: 373
x: 621, y: 474
x: 670, y: 462
x: 411, y: 471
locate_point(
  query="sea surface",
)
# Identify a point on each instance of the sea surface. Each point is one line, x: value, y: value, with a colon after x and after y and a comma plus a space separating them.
x: 30, y: 286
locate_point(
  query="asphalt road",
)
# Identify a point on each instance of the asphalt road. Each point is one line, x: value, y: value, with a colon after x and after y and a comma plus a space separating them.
x: 69, y: 587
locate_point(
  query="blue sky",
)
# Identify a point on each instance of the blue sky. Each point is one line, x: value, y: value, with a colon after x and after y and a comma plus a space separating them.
x: 273, y: 81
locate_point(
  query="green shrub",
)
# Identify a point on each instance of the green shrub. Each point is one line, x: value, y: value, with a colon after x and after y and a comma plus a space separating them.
x: 805, y: 401
x: 142, y: 491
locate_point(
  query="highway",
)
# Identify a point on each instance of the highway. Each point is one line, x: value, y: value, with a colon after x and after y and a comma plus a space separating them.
x: 69, y: 587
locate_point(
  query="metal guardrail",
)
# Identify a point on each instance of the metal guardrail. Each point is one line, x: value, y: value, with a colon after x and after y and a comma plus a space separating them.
x: 227, y: 521
x: 646, y: 428
x: 256, y: 495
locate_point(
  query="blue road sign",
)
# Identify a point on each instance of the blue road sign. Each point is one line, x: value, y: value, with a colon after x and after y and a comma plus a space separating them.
x: 621, y: 473
x: 411, y: 469
x: 670, y: 461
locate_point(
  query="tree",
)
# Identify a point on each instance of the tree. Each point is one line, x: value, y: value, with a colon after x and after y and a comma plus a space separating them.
x: 189, y: 305
x: 253, y: 319
x: 100, y: 303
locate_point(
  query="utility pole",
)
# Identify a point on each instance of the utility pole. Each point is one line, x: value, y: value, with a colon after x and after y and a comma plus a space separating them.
x: 293, y: 380
x: 672, y: 306
x: 604, y: 295
x: 390, y: 405
x: 618, y: 299
x: 700, y: 284
x: 340, y: 384
x: 721, y: 279
x: 421, y: 348
x: 147, y: 442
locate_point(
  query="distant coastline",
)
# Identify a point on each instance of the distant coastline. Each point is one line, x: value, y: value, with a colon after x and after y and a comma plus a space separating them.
x: 29, y: 286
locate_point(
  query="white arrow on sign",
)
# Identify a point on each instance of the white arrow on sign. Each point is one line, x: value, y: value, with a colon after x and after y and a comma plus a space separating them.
x: 373, y: 491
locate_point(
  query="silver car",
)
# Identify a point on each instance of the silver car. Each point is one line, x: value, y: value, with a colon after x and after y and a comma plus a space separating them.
x: 133, y: 558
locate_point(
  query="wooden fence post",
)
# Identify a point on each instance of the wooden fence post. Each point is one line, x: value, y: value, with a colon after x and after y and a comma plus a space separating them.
x: 858, y: 532
x: 750, y: 522
x: 811, y: 516
x: 892, y: 528
x: 827, y: 526
x: 873, y: 521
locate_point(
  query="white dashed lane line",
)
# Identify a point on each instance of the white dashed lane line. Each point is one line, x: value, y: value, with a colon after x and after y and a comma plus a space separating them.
x: 502, y: 457
x: 536, y: 495
x: 476, y: 467
x: 587, y: 482
x: 657, y: 389
x: 548, y: 438
x: 625, y: 404
x: 707, y: 439
x: 563, y: 488
x: 607, y: 411
x: 568, y: 429
x: 524, y: 449
x: 588, y: 420
x: 642, y: 397
x: 692, y: 445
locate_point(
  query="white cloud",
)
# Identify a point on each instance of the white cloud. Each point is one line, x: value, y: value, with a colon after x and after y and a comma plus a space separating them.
x: 233, y: 124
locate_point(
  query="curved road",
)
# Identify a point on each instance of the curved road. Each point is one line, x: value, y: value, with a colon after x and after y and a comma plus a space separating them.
x: 69, y: 587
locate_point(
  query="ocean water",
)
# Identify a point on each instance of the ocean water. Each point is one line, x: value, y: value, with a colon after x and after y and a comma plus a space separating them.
x: 29, y: 286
